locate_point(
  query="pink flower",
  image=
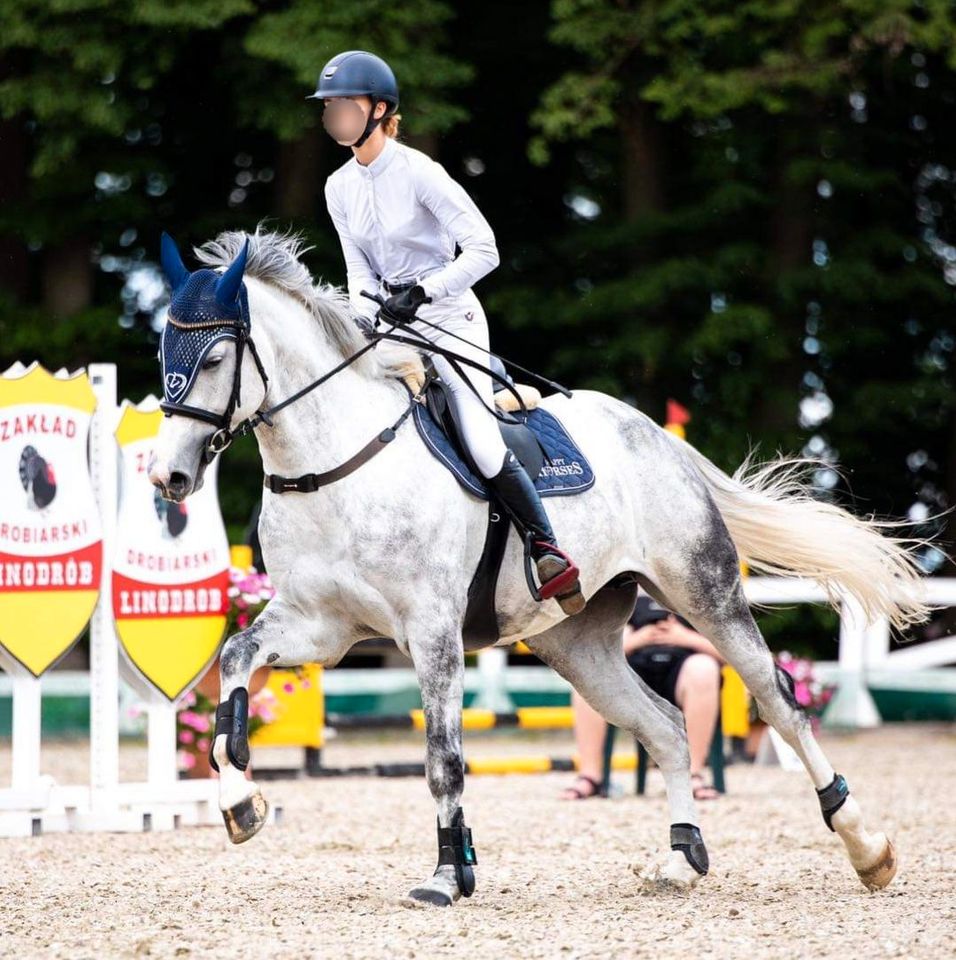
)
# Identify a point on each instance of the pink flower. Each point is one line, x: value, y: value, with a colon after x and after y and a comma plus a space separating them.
x: 195, y: 720
x: 288, y: 687
x: 201, y: 724
x: 202, y: 745
x: 186, y: 760
x: 186, y: 737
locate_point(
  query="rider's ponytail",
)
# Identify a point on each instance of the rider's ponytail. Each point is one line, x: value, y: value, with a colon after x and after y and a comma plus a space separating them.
x: 390, y: 125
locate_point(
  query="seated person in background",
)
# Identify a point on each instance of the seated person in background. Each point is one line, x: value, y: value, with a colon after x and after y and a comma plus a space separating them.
x: 677, y: 663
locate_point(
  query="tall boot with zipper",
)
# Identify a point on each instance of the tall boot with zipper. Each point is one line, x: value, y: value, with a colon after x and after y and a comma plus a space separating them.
x: 557, y: 574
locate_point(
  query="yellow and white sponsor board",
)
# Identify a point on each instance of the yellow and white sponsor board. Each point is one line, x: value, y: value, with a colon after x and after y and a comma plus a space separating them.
x: 170, y: 566
x: 51, y: 550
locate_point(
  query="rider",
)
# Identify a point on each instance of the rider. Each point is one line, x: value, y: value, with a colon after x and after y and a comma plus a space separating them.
x: 399, y: 216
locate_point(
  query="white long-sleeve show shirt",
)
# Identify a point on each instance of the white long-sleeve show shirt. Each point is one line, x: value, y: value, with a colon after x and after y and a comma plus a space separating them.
x: 399, y: 219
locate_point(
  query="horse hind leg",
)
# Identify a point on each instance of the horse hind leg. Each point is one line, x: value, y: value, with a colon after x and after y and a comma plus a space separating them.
x: 588, y: 652
x: 708, y: 592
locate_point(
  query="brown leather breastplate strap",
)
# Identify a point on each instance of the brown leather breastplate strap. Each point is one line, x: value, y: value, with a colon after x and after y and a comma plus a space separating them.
x: 310, y: 482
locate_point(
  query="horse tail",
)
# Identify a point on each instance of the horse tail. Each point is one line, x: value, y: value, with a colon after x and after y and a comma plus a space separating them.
x: 779, y: 528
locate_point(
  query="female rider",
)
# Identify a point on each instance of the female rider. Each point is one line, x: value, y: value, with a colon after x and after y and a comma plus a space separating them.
x: 399, y: 217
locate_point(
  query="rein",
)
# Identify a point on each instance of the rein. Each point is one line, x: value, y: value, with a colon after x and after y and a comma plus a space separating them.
x: 224, y: 435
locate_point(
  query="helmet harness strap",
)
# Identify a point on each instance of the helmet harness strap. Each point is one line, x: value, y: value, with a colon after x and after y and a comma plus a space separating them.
x: 372, y: 122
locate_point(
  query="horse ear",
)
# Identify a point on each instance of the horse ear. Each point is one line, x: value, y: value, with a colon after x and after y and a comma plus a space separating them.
x: 227, y: 287
x: 173, y: 266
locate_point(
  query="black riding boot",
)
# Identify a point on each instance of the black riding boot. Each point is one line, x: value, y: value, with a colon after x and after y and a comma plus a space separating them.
x: 514, y: 488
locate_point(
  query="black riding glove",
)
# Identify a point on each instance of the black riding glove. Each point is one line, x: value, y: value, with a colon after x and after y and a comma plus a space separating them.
x: 401, y: 307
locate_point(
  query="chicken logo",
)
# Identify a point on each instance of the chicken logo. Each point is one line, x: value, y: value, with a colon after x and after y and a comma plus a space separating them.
x: 172, y: 516
x: 37, y: 478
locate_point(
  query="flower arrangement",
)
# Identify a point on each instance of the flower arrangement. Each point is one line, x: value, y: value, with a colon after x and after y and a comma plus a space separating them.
x: 249, y: 592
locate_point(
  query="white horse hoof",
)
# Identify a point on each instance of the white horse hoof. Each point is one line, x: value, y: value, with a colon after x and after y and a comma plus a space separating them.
x: 675, y: 875
x: 879, y: 874
x: 246, y: 818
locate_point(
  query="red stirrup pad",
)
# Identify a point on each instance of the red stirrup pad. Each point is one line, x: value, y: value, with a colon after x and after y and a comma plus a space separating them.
x: 561, y: 583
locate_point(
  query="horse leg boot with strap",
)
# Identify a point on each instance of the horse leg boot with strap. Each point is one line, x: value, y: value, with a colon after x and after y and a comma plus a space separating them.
x: 556, y: 571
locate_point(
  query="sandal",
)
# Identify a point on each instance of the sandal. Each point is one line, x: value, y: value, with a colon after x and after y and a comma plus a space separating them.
x: 574, y: 793
x: 702, y: 790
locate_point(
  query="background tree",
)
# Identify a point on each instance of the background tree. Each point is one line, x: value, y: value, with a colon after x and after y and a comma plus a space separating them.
x: 748, y: 208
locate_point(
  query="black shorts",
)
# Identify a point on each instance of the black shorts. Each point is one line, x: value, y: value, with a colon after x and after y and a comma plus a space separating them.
x: 658, y: 667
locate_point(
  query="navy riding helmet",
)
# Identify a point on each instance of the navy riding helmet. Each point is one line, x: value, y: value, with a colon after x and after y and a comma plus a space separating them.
x: 357, y: 73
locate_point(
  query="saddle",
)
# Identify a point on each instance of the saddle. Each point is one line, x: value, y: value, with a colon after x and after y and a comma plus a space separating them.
x: 545, y: 450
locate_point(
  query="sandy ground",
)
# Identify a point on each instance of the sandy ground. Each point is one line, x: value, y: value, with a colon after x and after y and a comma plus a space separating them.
x: 555, y: 879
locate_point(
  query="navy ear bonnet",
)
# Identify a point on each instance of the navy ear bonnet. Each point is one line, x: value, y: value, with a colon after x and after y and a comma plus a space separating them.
x: 205, y: 307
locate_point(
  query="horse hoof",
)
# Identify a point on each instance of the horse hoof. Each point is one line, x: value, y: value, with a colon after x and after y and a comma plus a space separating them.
x: 246, y: 818
x: 434, y: 898
x: 672, y: 876
x: 879, y: 874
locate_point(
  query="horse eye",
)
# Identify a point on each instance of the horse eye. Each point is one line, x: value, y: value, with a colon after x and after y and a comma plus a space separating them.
x: 211, y: 362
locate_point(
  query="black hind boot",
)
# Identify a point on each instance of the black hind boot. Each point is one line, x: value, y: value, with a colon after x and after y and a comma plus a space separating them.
x: 556, y: 571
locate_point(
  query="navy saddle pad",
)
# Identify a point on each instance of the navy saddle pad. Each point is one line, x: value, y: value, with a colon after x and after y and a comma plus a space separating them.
x: 565, y: 471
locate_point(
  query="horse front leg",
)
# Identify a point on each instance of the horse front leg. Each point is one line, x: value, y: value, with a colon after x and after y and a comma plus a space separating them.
x: 280, y: 636
x: 440, y: 666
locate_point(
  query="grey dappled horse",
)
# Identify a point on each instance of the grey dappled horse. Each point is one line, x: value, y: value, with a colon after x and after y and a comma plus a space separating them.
x: 389, y: 549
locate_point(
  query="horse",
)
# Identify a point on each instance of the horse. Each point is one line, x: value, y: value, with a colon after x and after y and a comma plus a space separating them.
x: 388, y: 549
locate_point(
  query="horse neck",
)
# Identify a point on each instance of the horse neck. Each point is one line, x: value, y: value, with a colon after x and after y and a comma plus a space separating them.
x: 330, y: 423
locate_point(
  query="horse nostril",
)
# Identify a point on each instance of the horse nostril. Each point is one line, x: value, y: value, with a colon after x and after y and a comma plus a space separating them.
x: 178, y: 483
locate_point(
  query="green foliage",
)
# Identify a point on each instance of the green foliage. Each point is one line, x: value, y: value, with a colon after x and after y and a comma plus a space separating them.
x: 304, y: 35
x: 741, y: 206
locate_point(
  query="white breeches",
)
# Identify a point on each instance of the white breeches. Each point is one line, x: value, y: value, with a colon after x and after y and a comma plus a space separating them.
x: 478, y: 424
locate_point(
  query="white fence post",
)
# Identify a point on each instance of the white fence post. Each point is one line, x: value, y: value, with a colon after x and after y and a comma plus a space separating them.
x: 161, y: 744
x: 26, y: 733
x: 852, y: 705
x: 493, y: 689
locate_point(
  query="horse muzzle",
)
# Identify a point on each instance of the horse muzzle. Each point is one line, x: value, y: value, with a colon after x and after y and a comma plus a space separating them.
x: 173, y: 485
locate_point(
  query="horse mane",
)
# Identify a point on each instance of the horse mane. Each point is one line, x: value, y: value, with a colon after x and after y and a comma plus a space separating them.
x: 274, y: 259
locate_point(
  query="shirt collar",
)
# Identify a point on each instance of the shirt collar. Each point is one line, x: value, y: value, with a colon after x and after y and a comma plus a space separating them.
x: 378, y: 166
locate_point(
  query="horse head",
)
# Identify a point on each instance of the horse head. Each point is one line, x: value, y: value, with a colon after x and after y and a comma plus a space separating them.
x: 210, y: 382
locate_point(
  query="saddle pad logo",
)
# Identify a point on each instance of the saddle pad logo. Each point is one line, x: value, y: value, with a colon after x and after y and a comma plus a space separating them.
x: 175, y: 385
x: 560, y: 467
